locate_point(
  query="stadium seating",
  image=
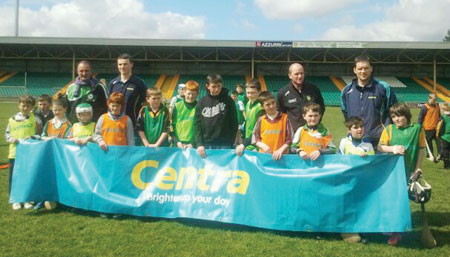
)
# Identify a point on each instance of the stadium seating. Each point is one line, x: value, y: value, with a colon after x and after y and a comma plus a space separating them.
x: 444, y: 82
x: 413, y: 92
x: 34, y: 83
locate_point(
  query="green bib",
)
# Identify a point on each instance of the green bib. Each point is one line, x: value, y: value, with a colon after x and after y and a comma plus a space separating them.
x: 240, y: 117
x: 251, y: 113
x: 82, y: 131
x: 19, y: 130
x: 409, y: 138
x: 154, y: 126
x: 446, y: 135
x: 184, y: 122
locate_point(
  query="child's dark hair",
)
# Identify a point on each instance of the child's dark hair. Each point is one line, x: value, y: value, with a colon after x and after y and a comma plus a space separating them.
x: 400, y: 109
x: 116, y: 98
x: 253, y: 83
x: 61, y: 100
x: 45, y: 98
x: 265, y: 96
x: 354, y: 121
x: 311, y: 107
x: 27, y: 99
x: 239, y: 85
x: 234, y: 92
x: 214, y: 79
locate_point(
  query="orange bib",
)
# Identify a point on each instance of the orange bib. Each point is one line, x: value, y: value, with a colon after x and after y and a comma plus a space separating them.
x: 431, y: 117
x: 114, y: 132
x: 273, y: 134
x: 311, y: 141
x: 60, y: 132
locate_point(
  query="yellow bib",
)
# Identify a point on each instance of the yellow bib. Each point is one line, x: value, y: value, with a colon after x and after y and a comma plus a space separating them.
x: 19, y: 130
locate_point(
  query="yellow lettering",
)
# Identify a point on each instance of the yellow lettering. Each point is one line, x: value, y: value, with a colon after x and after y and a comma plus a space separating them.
x: 137, y: 170
x: 192, y: 173
x: 240, y: 184
x: 167, y: 178
x: 161, y: 177
x: 219, y: 180
x: 203, y: 179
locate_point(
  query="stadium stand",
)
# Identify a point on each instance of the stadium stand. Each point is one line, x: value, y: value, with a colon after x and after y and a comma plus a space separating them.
x: 412, y: 93
x: 34, y: 83
x: 274, y: 83
x: 445, y: 82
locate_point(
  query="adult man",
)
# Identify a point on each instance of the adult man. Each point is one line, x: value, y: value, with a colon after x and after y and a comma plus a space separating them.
x: 428, y: 118
x: 130, y: 85
x: 296, y: 94
x: 86, y: 89
x: 368, y: 99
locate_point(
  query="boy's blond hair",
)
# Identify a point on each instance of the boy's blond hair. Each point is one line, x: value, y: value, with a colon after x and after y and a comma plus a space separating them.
x: 311, y: 107
x: 153, y: 92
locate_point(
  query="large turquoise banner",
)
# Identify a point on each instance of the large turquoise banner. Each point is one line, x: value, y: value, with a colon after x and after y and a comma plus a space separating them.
x: 333, y: 194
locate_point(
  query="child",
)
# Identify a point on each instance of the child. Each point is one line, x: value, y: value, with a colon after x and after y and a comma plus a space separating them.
x: 178, y: 98
x: 83, y: 131
x: 153, y: 121
x: 253, y: 110
x: 405, y: 139
x: 241, y: 93
x: 240, y: 111
x: 428, y: 118
x: 354, y: 143
x: 215, y: 118
x: 443, y: 131
x: 313, y: 139
x: 114, y: 127
x: 273, y: 131
x: 23, y: 125
x: 44, y: 112
x: 183, y: 117
x: 59, y: 126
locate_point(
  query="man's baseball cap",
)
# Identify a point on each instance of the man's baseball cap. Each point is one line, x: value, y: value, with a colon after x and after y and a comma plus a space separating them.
x: 181, y: 86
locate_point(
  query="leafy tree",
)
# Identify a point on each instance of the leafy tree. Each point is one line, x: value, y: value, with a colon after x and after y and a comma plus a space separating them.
x: 447, y: 37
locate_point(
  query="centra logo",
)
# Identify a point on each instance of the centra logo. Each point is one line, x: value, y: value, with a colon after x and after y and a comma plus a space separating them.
x: 206, y: 179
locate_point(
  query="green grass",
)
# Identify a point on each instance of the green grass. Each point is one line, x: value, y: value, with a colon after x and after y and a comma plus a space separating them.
x: 66, y: 233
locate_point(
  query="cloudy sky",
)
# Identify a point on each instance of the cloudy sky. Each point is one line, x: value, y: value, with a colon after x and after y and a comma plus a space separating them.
x: 268, y: 20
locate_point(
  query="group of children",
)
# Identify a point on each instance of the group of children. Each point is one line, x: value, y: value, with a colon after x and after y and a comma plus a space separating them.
x: 212, y: 123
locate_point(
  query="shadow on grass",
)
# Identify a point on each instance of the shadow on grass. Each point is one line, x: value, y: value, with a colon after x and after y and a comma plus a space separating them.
x: 411, y: 240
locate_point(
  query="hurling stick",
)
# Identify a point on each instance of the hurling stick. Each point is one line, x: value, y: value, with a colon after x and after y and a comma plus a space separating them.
x: 427, y: 238
x: 428, y: 150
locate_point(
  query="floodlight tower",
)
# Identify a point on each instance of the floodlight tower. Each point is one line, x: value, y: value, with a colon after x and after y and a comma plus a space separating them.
x: 17, y: 18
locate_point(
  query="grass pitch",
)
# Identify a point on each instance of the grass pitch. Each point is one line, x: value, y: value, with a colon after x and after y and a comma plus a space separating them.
x: 77, y: 233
